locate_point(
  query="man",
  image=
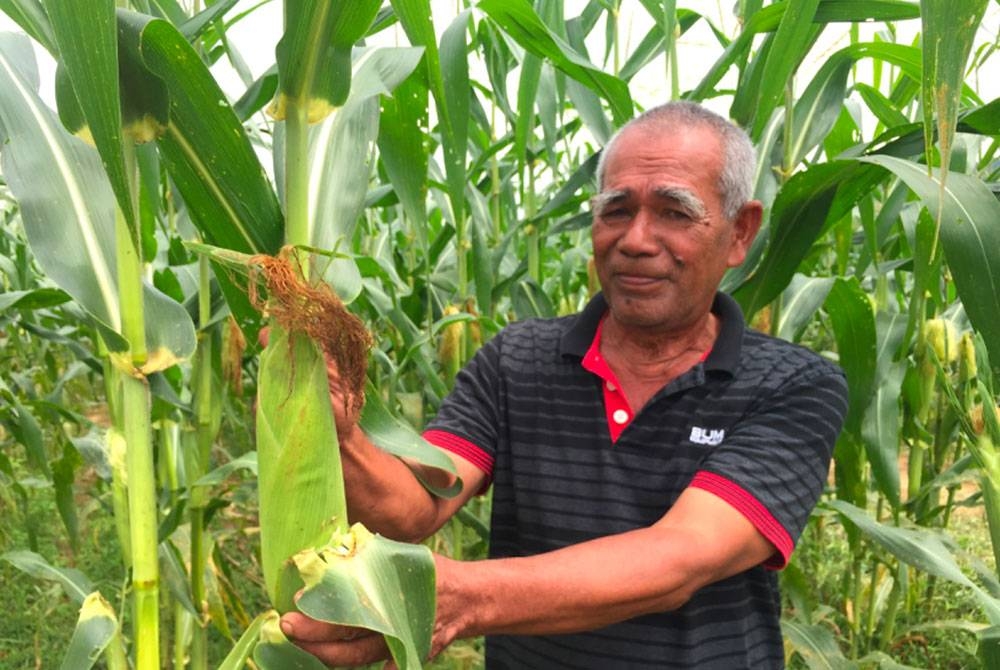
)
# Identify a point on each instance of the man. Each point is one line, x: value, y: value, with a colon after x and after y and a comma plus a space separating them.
x: 653, y: 461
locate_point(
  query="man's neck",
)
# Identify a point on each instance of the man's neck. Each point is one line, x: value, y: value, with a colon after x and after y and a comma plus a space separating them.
x: 646, y: 360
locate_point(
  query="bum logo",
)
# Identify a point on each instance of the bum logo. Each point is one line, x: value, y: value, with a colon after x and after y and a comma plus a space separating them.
x: 709, y: 436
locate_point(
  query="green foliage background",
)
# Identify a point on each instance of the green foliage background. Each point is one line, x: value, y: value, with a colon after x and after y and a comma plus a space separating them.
x: 447, y: 189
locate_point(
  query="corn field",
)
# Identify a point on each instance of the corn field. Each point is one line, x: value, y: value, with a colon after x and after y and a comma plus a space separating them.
x: 393, y: 186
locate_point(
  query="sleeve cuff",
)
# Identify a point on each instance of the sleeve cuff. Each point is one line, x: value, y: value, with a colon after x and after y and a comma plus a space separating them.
x: 755, y: 512
x: 464, y: 449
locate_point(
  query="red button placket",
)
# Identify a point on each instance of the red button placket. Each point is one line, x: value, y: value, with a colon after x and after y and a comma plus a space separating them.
x: 616, y: 408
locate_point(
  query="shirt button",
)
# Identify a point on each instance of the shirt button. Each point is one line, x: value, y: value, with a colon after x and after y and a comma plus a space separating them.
x: 611, y: 387
x: 620, y: 416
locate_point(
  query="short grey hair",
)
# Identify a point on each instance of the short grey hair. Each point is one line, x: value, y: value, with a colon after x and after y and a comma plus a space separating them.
x: 739, y: 158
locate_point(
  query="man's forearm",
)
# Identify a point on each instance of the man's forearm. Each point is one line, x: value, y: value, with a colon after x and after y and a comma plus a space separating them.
x: 596, y: 583
x: 385, y: 495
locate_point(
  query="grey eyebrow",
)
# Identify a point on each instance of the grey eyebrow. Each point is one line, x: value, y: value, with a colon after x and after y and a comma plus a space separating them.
x: 605, y: 198
x: 686, y: 198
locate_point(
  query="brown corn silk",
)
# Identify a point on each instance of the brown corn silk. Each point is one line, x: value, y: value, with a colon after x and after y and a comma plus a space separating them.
x: 315, y: 310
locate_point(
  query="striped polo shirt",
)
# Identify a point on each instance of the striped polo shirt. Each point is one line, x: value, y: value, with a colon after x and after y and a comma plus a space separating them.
x: 754, y: 423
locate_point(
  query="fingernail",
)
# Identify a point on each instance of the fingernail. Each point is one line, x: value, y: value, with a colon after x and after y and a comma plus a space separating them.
x: 287, y: 629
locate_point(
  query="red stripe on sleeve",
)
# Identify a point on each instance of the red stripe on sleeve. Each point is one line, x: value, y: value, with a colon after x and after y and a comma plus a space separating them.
x: 463, y: 448
x: 747, y: 505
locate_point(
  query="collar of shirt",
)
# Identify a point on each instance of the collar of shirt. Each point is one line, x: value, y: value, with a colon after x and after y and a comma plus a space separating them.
x: 583, y: 340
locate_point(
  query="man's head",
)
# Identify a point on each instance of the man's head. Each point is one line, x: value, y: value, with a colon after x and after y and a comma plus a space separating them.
x: 673, y: 213
x: 739, y: 157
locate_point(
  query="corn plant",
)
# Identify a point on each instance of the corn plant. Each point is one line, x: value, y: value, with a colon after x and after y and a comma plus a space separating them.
x: 452, y: 206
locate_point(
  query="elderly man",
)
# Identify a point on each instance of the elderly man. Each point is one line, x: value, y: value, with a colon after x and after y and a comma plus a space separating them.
x: 653, y: 460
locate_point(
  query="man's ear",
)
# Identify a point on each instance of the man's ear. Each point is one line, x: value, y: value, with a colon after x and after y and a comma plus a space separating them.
x: 746, y: 224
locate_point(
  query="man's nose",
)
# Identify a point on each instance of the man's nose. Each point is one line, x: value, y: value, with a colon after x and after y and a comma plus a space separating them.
x: 639, y: 238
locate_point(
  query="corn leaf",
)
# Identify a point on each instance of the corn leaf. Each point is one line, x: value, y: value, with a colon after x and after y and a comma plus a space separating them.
x: 949, y: 27
x: 854, y: 329
x: 970, y: 238
x: 880, y: 429
x: 31, y: 17
x: 752, y: 105
x: 314, y: 54
x: 397, y: 437
x: 237, y: 657
x: 447, y: 62
x: 817, y: 109
x: 299, y: 474
x: 74, y: 583
x: 341, y: 148
x: 402, y: 150
x: 989, y: 647
x: 799, y: 304
x: 96, y: 627
x: 817, y: 645
x: 193, y: 28
x: 769, y: 18
x: 68, y: 211
x: 824, y: 192
x: 519, y: 20
x: 206, y: 149
x: 921, y: 548
x: 455, y: 78
x: 369, y: 581
x: 87, y: 40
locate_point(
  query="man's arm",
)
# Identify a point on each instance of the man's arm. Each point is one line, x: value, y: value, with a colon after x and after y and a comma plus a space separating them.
x: 701, y: 540
x: 385, y: 495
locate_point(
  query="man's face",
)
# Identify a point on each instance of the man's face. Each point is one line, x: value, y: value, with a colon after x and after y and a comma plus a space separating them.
x: 661, y: 243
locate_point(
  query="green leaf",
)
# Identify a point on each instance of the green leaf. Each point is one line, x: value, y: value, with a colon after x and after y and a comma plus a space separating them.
x: 530, y: 301
x: 33, y: 299
x: 237, y: 657
x: 752, y: 105
x: 527, y: 91
x: 96, y: 627
x: 805, y: 204
x: 402, y: 150
x: 816, y: 645
x: 817, y: 109
x: 399, y: 438
x: 949, y: 27
x: 970, y: 239
x: 247, y: 461
x: 86, y: 36
x: 74, y: 583
x: 300, y: 483
x: 206, y: 149
x: 314, y: 54
x: 921, y: 548
x: 519, y: 20
x: 799, y: 304
x: 31, y: 17
x: 341, y: 148
x: 880, y: 429
x: 68, y: 212
x: 854, y: 328
x: 369, y: 581
x: 989, y: 647
x: 769, y: 18
x: 193, y: 28
x: 455, y: 133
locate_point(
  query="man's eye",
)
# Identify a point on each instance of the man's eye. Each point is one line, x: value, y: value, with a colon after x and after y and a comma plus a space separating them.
x: 615, y: 214
x: 676, y: 215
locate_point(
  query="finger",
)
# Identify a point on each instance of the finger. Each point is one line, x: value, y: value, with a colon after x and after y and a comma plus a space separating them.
x: 301, y: 628
x: 362, y: 651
